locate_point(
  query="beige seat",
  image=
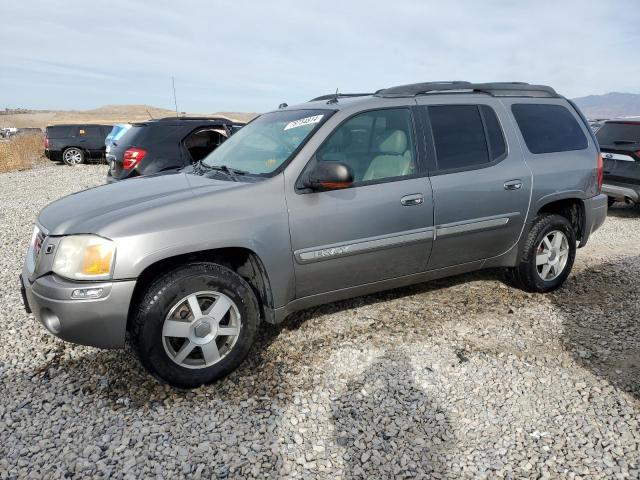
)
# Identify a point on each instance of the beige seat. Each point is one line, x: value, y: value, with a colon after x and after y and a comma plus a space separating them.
x: 396, y: 160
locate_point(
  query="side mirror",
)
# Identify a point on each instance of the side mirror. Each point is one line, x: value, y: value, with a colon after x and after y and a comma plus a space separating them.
x: 329, y: 175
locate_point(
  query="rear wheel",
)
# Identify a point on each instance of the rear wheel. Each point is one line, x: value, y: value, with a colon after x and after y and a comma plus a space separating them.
x: 73, y: 156
x: 548, y: 254
x: 195, y: 324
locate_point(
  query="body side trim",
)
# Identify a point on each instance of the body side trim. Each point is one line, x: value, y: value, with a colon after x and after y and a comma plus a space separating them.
x: 474, y: 225
x: 343, y: 249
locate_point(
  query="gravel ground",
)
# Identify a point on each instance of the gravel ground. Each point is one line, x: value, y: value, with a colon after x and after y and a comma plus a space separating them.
x: 459, y: 378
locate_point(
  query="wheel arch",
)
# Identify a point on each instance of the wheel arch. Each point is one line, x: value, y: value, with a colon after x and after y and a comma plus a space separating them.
x: 568, y: 204
x: 243, y: 261
x: 84, y: 151
x: 570, y: 207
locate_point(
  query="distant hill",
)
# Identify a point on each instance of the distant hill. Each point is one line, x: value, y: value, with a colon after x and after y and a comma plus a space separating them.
x: 108, y: 115
x: 610, y: 105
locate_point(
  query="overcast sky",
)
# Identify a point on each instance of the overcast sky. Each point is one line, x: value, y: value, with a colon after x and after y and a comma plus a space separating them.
x: 237, y: 55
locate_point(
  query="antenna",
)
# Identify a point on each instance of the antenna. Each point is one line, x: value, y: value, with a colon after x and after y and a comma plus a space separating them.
x: 175, y: 101
x: 149, y: 113
x: 334, y: 99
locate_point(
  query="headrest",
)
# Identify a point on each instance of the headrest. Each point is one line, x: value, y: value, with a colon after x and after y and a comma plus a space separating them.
x: 394, y: 143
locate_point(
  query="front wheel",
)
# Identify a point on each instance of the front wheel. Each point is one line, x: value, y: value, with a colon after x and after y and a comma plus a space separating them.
x: 548, y: 255
x: 73, y: 156
x: 195, y: 324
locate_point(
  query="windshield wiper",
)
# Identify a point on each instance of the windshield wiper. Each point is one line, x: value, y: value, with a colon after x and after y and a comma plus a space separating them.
x: 625, y: 142
x: 199, y: 168
x: 230, y: 171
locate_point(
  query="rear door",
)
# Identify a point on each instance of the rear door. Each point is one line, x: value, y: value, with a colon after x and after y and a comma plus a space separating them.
x: 90, y: 137
x: 380, y: 228
x: 481, y: 184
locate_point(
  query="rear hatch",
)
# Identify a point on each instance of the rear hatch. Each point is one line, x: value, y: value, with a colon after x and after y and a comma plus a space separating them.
x: 149, y: 141
x: 620, y: 146
x: 134, y: 137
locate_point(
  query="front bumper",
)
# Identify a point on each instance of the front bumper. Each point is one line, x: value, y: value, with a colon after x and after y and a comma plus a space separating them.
x: 595, y: 213
x: 99, y: 322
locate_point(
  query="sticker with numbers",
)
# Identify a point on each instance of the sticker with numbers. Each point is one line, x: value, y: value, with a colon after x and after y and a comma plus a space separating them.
x: 303, y: 121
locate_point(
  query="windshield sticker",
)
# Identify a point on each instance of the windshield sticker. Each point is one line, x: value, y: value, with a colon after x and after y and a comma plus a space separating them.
x: 303, y: 121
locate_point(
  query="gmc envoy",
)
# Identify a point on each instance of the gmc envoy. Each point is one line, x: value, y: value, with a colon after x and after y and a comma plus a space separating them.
x: 338, y: 197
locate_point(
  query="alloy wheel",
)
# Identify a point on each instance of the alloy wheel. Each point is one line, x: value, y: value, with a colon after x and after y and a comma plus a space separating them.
x: 72, y: 156
x: 201, y: 329
x: 552, y: 255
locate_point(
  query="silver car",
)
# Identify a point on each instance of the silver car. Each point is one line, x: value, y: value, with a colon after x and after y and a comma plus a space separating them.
x: 338, y: 197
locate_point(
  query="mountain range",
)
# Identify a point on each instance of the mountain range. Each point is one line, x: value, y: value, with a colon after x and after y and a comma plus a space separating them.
x: 610, y: 105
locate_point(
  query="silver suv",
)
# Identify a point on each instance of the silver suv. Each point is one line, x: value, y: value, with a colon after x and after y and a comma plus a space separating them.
x: 338, y: 197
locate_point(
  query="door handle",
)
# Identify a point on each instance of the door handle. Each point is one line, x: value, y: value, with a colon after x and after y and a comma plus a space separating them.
x: 513, y: 185
x: 414, y: 199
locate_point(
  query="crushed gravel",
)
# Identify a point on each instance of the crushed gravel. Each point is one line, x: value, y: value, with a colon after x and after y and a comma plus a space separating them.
x: 458, y: 378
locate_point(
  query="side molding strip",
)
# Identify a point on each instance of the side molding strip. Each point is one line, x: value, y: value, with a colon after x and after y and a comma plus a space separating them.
x: 472, y: 226
x: 328, y: 252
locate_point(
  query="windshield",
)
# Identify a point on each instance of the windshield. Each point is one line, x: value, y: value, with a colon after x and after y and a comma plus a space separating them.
x: 613, y: 133
x: 268, y: 142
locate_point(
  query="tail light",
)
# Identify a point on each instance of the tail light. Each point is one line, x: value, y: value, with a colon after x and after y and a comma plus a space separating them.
x: 600, y: 172
x: 46, y: 142
x: 132, y: 157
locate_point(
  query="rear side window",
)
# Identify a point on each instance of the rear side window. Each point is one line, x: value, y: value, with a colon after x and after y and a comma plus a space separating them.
x: 61, y: 132
x: 458, y: 136
x: 548, y: 128
x: 619, y: 134
x: 90, y: 131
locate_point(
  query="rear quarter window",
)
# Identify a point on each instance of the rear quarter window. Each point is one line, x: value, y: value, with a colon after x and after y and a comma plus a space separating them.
x: 548, y: 128
x: 61, y: 132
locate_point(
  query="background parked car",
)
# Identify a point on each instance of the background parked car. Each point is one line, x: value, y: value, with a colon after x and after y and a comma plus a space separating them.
x: 8, y: 132
x: 166, y: 144
x: 116, y: 133
x: 620, y: 146
x: 596, y: 123
x: 75, y: 144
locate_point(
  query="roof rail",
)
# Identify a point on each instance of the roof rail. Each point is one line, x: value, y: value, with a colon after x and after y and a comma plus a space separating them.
x: 339, y: 95
x: 169, y: 119
x: 496, y: 89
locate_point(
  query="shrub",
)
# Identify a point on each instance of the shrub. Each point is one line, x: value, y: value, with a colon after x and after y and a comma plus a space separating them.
x: 20, y: 152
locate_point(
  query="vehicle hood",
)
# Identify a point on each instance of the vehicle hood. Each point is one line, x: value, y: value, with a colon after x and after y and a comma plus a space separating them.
x: 90, y: 210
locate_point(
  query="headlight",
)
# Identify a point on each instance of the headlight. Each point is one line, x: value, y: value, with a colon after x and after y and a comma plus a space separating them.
x: 84, y: 257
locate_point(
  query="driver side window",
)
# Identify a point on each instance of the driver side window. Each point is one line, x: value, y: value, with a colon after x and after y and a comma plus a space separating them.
x: 377, y: 145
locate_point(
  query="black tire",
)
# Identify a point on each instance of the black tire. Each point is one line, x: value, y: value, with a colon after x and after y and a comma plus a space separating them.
x: 611, y: 201
x: 73, y: 156
x: 526, y: 275
x: 145, y: 332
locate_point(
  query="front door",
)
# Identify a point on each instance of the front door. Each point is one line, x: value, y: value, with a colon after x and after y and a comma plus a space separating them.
x: 481, y: 184
x: 378, y: 229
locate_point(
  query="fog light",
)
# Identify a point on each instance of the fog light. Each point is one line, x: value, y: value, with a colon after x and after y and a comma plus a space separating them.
x: 51, y: 321
x: 86, y: 293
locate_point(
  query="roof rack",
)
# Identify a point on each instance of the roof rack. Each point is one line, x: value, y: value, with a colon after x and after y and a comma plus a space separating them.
x: 496, y: 89
x: 339, y: 95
